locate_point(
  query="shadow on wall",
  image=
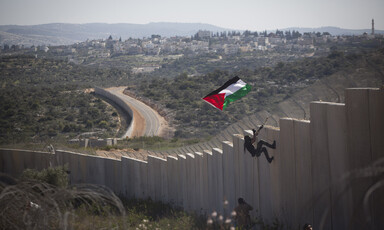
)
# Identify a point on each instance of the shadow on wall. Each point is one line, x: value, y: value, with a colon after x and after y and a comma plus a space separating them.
x: 366, y: 213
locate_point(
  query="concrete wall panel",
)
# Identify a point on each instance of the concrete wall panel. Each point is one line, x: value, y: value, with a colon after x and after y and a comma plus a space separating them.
x: 127, y: 175
x: 10, y: 164
x: 113, y: 173
x: 376, y: 117
x: 143, y: 168
x: 157, y: 181
x: 182, y: 165
x: 78, y: 169
x: 302, y: 143
x: 198, y: 181
x: 153, y: 169
x: 246, y: 162
x: 205, y: 186
x: 164, y: 180
x: 255, y: 200
x: 64, y: 157
x: 14, y: 162
x: 339, y: 158
x: 218, y: 179
x: 191, y: 182
x: 95, y: 170
x: 265, y: 178
x: 288, y: 174
x: 212, y: 180
x: 272, y: 133
x: 239, y: 166
x: 359, y: 147
x: 172, y: 177
x: 321, y: 178
x: 230, y: 200
x: 376, y: 113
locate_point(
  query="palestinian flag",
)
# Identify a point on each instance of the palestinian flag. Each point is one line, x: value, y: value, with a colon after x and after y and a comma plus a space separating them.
x: 231, y: 91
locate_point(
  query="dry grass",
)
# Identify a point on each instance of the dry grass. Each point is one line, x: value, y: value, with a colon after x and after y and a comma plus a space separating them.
x: 31, y: 204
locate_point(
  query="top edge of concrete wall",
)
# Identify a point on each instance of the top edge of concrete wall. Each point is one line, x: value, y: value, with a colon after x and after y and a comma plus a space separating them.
x: 327, y: 103
x: 190, y: 155
x: 23, y: 150
x: 82, y: 154
x: 172, y: 157
x: 156, y: 157
x: 363, y: 88
x: 228, y: 143
x: 238, y: 135
x: 208, y: 152
x: 293, y: 119
x: 218, y: 150
x: 181, y: 156
x: 134, y: 159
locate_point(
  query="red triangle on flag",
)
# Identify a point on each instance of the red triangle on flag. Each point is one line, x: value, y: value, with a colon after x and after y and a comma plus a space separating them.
x: 216, y: 100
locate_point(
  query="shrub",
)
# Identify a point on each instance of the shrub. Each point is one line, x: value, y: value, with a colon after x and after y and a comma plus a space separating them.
x: 57, y: 176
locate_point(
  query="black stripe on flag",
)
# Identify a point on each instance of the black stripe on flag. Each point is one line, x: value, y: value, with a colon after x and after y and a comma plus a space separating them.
x: 226, y: 84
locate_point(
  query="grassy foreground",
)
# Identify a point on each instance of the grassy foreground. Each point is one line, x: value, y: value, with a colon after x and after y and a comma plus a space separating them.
x: 45, y: 200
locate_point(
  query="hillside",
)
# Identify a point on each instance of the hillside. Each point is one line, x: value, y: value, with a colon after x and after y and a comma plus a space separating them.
x: 65, y: 34
x: 181, y: 96
x: 55, y: 34
x: 362, y: 71
x: 40, y: 97
x: 333, y: 30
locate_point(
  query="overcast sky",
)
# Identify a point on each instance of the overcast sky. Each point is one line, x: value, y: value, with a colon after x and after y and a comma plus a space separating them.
x: 254, y: 15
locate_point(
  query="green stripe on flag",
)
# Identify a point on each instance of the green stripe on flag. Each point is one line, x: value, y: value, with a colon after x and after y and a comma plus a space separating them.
x: 237, y: 95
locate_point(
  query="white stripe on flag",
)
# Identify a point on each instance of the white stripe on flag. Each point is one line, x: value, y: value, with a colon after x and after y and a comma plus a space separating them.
x: 233, y: 88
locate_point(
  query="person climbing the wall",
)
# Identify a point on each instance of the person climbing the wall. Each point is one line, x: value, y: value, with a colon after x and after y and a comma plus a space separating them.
x: 248, y: 144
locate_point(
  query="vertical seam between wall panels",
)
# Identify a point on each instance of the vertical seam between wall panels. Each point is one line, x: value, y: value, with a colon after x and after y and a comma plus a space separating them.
x: 329, y: 171
x: 370, y: 150
x: 311, y: 144
x: 294, y: 156
x: 258, y: 183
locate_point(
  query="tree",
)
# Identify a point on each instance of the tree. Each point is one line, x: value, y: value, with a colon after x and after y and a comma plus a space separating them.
x: 247, y: 33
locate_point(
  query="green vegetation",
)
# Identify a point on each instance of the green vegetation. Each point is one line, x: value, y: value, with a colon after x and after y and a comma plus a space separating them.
x: 195, y: 118
x: 27, y: 71
x: 45, y: 201
x: 44, y: 100
x: 57, y: 177
x: 35, y: 114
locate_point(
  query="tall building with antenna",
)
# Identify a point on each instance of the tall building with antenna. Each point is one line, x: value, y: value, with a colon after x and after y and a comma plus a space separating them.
x: 373, y: 27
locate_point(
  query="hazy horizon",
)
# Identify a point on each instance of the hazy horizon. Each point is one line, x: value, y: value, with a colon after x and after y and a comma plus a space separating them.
x: 244, y: 15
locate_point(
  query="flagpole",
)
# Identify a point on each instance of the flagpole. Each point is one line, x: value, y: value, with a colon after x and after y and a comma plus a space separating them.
x: 230, y: 116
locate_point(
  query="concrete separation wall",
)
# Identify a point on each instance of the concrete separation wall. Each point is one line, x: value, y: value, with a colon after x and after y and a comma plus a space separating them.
x: 14, y: 162
x: 326, y: 171
x: 122, y: 105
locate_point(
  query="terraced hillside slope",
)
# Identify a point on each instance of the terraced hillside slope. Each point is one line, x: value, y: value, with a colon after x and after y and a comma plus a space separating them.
x: 369, y: 73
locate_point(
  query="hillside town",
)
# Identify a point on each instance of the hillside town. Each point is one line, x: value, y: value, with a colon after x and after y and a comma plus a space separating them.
x: 203, y: 42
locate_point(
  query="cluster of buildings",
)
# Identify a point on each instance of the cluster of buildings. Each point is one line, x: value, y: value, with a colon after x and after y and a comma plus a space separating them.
x: 202, y: 42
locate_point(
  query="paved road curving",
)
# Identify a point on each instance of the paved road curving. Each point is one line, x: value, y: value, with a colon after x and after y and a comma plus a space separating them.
x: 146, y: 121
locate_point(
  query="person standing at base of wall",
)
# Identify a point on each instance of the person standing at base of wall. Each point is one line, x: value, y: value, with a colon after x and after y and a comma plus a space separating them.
x: 307, y: 227
x: 243, y: 219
